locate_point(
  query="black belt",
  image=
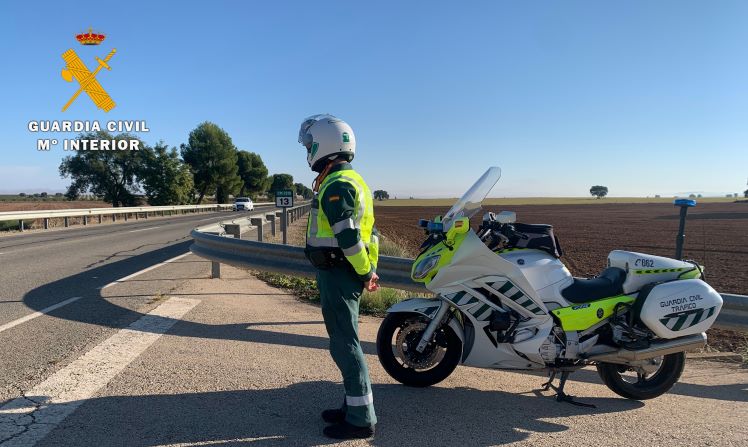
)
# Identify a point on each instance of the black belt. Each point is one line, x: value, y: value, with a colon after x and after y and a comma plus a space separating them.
x: 326, y: 258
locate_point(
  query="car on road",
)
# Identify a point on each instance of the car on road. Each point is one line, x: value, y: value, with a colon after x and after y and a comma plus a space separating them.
x: 243, y: 204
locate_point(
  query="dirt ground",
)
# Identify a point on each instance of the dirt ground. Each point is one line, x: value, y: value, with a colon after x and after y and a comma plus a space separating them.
x: 51, y: 205
x: 716, y: 234
x: 716, y: 237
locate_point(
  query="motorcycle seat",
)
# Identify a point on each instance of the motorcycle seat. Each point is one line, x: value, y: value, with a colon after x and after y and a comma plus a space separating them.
x: 608, y: 283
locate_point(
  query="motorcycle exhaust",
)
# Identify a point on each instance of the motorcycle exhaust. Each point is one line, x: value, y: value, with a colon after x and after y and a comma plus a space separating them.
x: 656, y: 349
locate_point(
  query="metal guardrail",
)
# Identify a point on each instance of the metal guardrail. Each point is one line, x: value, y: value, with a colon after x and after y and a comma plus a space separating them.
x: 125, y: 211
x: 393, y: 272
x: 734, y: 313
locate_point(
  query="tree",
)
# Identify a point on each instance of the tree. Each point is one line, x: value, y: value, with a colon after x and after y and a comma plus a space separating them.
x: 381, y: 195
x: 599, y: 191
x: 280, y: 181
x: 110, y: 175
x: 23, y: 194
x: 166, y: 180
x: 745, y: 193
x: 303, y: 190
x: 253, y: 173
x: 212, y: 158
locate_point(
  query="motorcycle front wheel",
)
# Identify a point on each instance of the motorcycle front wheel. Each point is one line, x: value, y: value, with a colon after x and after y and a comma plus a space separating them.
x: 633, y: 384
x: 397, y: 339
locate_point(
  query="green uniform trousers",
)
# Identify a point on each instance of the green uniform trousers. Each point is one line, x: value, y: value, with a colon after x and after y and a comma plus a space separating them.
x: 340, y: 290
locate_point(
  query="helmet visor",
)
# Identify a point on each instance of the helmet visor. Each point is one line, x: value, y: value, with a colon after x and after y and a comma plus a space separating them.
x: 305, y: 137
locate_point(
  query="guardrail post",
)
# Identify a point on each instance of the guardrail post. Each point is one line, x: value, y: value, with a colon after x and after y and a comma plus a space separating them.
x: 271, y: 219
x: 20, y: 225
x: 114, y: 218
x: 100, y: 218
x: 146, y: 214
x: 67, y: 222
x: 46, y: 223
x: 259, y: 222
x: 215, y: 270
x: 234, y: 230
x: 85, y: 220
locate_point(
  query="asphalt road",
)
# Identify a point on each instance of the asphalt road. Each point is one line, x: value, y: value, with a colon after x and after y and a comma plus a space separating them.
x: 172, y: 358
x: 45, y: 268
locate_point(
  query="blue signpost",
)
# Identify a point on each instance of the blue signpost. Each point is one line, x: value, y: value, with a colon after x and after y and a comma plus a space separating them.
x: 684, y: 205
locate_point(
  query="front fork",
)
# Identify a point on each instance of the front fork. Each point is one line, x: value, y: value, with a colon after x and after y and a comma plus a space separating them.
x: 439, y: 319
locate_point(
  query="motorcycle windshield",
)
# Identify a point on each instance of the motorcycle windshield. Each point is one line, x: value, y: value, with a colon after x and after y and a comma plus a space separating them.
x: 471, y: 201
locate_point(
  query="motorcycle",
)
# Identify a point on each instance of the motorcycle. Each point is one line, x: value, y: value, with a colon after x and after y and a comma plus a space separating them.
x: 504, y: 300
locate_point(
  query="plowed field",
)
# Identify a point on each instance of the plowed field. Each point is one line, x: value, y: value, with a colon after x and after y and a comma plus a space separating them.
x: 716, y: 234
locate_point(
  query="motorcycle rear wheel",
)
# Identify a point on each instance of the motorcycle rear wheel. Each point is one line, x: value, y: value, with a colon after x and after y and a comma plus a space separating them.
x: 437, y: 365
x: 646, y: 387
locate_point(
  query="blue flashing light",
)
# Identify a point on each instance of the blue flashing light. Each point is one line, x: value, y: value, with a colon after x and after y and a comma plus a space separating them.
x: 435, y: 227
x: 684, y: 202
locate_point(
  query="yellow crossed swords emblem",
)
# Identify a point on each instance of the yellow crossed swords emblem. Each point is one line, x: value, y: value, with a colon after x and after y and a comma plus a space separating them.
x: 75, y: 68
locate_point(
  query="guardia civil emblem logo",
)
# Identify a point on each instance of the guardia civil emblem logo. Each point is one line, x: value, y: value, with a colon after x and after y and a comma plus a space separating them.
x: 87, y: 82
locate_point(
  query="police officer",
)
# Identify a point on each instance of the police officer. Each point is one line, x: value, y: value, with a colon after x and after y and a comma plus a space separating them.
x: 342, y: 244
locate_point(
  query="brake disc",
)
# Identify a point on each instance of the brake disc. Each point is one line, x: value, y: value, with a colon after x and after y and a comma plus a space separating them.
x: 405, y: 347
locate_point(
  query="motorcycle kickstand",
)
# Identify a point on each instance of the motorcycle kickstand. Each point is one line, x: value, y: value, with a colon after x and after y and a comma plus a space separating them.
x: 561, y: 396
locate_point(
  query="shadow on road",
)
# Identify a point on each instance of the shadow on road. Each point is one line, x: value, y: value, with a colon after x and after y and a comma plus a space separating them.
x: 95, y: 310
x: 290, y: 415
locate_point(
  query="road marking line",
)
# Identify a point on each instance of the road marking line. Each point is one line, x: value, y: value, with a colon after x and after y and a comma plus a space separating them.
x: 24, y: 421
x: 47, y: 310
x: 147, y: 269
x: 144, y: 229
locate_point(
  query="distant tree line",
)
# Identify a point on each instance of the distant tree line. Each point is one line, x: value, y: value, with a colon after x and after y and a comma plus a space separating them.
x: 209, y: 164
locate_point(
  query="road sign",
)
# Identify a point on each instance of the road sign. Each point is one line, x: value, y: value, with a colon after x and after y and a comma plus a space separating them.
x: 284, y: 198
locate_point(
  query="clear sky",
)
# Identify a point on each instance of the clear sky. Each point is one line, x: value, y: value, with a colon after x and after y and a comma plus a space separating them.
x: 645, y: 97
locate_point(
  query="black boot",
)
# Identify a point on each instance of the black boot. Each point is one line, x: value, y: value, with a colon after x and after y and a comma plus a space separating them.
x: 333, y: 416
x: 344, y: 430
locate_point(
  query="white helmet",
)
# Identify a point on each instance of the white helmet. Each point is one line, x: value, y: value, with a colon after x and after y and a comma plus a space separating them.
x: 326, y: 138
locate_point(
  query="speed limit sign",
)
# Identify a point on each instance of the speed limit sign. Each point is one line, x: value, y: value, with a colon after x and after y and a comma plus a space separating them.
x: 284, y: 198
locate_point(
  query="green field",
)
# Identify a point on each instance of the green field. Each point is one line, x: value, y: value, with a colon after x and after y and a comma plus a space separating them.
x: 547, y: 201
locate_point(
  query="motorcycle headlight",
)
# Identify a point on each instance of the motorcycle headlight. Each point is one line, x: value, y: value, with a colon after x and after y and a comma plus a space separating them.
x: 425, y: 266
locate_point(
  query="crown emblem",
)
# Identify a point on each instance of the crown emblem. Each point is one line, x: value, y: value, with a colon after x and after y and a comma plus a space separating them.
x: 90, y: 38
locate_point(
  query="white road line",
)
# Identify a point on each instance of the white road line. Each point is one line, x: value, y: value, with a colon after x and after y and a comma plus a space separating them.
x: 26, y: 420
x: 144, y: 229
x: 47, y: 310
x: 148, y: 269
